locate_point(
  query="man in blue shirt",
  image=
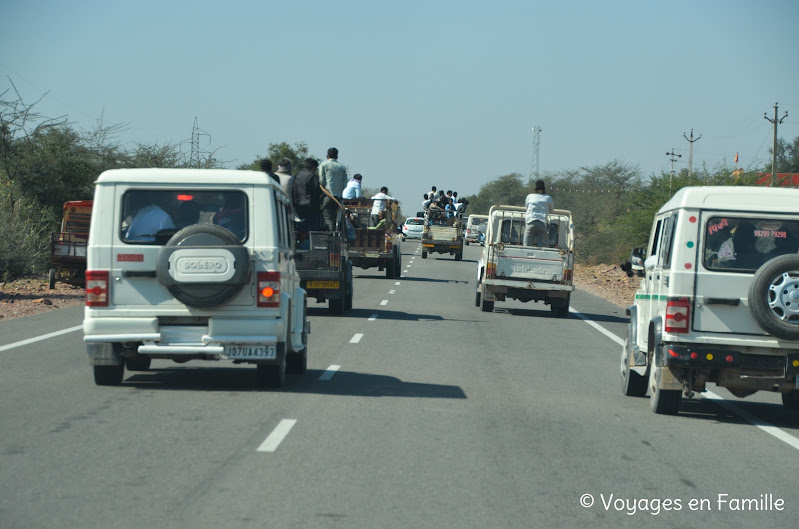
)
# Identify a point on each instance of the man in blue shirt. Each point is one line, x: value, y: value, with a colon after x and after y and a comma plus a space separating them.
x: 353, y: 189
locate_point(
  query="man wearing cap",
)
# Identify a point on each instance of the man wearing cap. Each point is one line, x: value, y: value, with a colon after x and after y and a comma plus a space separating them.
x: 333, y: 177
x: 353, y: 189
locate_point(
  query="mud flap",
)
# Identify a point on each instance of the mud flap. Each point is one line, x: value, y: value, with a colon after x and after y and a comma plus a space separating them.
x: 104, y: 354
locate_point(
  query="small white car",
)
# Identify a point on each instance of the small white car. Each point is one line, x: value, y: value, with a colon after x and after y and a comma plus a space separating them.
x: 188, y: 264
x: 475, y: 226
x: 719, y: 301
x: 413, y: 228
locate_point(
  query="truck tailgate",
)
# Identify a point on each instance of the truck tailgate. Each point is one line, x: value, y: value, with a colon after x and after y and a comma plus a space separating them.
x: 529, y: 264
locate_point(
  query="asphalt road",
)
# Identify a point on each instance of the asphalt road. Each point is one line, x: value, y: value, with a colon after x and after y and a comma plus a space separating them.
x: 418, y: 410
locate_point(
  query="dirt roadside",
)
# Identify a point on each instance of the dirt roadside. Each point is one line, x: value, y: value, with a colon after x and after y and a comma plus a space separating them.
x: 24, y: 297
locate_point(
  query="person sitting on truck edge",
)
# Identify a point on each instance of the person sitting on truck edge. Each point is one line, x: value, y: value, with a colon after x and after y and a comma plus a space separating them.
x: 379, y: 205
x: 333, y: 177
x: 382, y: 224
x: 353, y: 189
x: 284, y: 174
x: 307, y: 196
x: 538, y: 205
x: 266, y: 166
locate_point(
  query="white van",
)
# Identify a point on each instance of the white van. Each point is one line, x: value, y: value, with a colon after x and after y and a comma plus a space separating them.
x: 188, y: 264
x: 719, y: 301
x: 475, y: 225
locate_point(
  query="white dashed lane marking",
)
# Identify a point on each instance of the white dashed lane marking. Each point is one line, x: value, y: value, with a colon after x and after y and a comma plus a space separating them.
x: 278, y: 434
x: 356, y: 338
x: 329, y: 372
x: 384, y: 302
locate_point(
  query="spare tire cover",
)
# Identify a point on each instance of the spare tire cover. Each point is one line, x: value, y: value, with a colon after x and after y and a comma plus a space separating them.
x: 203, y: 265
x: 774, y: 297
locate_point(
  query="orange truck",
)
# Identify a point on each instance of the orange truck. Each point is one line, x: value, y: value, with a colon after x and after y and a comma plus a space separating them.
x: 68, y: 247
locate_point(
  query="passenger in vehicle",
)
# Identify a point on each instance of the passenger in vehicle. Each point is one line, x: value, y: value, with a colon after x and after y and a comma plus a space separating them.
x: 150, y: 219
x: 232, y: 216
x: 307, y: 197
x: 187, y: 213
x: 745, y: 245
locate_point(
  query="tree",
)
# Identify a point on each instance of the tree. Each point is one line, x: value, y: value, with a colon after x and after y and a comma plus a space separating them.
x: 276, y: 152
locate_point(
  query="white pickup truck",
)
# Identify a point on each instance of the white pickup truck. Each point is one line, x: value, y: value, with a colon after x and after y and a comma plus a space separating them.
x: 508, y: 269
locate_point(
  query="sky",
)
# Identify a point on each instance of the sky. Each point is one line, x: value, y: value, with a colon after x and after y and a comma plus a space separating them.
x: 420, y: 93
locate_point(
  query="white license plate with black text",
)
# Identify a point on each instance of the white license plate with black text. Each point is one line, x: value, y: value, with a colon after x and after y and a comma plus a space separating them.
x: 250, y: 352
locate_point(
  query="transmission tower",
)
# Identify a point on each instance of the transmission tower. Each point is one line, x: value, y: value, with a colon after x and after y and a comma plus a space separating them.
x: 196, y: 152
x: 536, y: 161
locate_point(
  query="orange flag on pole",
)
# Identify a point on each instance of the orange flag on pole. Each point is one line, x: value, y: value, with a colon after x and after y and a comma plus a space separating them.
x: 736, y: 157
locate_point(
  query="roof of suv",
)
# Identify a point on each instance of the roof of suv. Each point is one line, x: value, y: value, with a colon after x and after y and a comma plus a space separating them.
x: 735, y: 198
x: 186, y: 177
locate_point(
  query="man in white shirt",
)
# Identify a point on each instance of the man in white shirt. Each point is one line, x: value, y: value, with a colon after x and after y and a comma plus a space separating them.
x: 148, y: 221
x: 538, y: 204
x: 378, y: 205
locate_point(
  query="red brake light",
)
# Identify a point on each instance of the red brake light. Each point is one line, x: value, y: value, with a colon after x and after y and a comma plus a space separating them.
x: 268, y: 289
x: 97, y: 288
x: 185, y: 198
x: 678, y: 312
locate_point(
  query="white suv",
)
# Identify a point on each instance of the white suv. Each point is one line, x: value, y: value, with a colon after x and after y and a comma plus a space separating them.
x: 188, y: 264
x: 719, y: 301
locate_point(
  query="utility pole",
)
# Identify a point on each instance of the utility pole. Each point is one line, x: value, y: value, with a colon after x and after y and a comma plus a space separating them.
x: 673, y: 159
x: 536, y: 151
x: 776, y: 122
x: 196, y: 132
x: 691, y: 151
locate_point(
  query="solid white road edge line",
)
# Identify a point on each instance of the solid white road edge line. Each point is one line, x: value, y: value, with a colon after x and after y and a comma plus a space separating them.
x: 278, y: 434
x: 356, y: 338
x: 328, y: 374
x: 40, y: 338
x: 763, y: 425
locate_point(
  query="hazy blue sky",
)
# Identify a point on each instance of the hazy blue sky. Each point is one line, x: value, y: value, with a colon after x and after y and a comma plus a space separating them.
x: 420, y: 93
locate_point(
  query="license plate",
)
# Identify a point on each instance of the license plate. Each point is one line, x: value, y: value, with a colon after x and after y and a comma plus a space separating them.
x: 322, y: 284
x: 250, y: 352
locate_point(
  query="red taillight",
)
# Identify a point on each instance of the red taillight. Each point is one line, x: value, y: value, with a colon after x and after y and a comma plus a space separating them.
x: 729, y: 359
x: 491, y: 270
x: 678, y: 312
x: 335, y: 260
x: 97, y: 288
x: 268, y: 289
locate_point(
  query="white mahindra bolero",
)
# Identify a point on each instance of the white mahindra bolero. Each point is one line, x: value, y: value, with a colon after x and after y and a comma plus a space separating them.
x: 189, y: 264
x: 719, y: 301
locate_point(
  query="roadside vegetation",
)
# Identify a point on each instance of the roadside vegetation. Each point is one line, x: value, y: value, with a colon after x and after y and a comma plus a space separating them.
x: 46, y: 161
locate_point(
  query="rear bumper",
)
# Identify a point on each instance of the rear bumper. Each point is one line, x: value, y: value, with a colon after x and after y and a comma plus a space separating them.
x: 505, y: 285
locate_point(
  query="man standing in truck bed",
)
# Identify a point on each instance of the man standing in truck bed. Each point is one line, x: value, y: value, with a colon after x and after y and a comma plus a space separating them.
x: 538, y: 204
x: 379, y: 205
x: 333, y: 177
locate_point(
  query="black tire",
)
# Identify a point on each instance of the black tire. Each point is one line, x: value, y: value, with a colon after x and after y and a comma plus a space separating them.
x: 297, y: 361
x: 398, y: 268
x: 424, y: 254
x: 791, y: 400
x: 51, y: 278
x: 477, y: 298
x: 390, y: 269
x: 274, y: 375
x: 632, y: 384
x: 774, y: 297
x: 204, y: 295
x: 561, y: 307
x: 336, y: 306
x: 485, y: 306
x: 350, y: 288
x: 459, y: 256
x: 663, y: 401
x: 109, y: 375
x: 466, y: 243
x: 138, y: 363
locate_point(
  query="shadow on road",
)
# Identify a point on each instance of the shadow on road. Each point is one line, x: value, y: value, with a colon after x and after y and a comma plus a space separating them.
x: 240, y: 379
x: 381, y: 314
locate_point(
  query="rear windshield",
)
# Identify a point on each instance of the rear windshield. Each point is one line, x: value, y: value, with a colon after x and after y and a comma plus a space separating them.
x: 744, y: 244
x: 154, y: 216
x: 415, y: 222
x: 477, y: 222
x: 512, y: 232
